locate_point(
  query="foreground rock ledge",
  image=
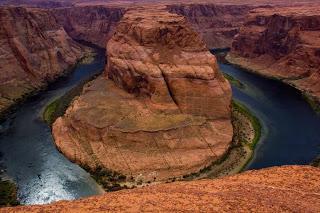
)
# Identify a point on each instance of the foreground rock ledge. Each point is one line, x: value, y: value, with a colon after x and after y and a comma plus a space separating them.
x: 277, y: 189
x: 164, y: 110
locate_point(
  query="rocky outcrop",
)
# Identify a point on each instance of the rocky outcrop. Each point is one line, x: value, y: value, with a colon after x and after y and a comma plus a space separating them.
x: 93, y: 24
x: 37, y: 3
x: 34, y: 49
x: 164, y: 111
x: 284, y: 44
x: 217, y: 24
x: 277, y: 189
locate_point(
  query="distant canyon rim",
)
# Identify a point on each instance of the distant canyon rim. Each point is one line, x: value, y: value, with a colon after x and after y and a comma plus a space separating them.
x: 53, y: 35
x: 161, y: 109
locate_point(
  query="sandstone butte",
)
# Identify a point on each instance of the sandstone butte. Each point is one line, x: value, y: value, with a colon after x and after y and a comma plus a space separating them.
x: 282, y: 43
x: 39, y: 45
x: 34, y: 50
x: 277, y: 189
x: 52, y: 34
x: 161, y: 108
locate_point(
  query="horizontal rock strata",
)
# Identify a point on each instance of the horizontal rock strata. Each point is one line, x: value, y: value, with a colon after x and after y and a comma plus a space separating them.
x: 34, y: 49
x: 93, y: 24
x: 284, y: 44
x: 164, y: 111
x: 217, y: 24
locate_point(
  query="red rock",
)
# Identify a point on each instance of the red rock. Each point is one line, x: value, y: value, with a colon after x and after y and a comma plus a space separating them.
x: 282, y: 43
x: 277, y: 189
x: 93, y: 24
x: 34, y: 49
x: 166, y: 112
x: 217, y: 24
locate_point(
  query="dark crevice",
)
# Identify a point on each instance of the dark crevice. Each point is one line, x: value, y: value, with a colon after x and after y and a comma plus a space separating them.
x: 166, y: 80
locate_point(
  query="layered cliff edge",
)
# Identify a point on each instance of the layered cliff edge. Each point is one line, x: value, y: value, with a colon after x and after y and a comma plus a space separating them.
x: 164, y: 110
x: 94, y: 24
x: 52, y: 34
x: 217, y: 24
x: 277, y: 189
x: 34, y: 50
x: 284, y: 44
x: 40, y: 45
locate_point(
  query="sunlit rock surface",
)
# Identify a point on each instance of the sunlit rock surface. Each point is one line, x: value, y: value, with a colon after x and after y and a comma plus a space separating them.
x: 277, y: 189
x: 165, y: 109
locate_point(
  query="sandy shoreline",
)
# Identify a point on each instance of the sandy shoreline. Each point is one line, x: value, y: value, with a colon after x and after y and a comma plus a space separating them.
x: 246, y: 135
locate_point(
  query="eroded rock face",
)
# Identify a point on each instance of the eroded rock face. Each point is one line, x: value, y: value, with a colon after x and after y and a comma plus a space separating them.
x: 277, y: 189
x: 164, y: 111
x: 283, y: 43
x: 93, y: 24
x: 156, y: 54
x: 217, y: 24
x: 34, y: 49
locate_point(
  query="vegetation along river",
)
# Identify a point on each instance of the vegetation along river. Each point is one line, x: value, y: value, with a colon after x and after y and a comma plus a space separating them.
x: 290, y: 135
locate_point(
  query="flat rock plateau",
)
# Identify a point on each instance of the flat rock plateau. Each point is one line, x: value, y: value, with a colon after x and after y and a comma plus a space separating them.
x: 162, y: 108
x: 277, y: 189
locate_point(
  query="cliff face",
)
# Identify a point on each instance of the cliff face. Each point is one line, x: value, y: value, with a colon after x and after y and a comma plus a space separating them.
x: 165, y: 112
x: 217, y: 24
x: 94, y: 24
x: 37, y: 3
x: 34, y: 49
x: 278, y: 189
x: 283, y: 43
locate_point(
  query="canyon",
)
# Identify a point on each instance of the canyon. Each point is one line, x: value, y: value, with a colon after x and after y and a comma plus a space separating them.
x: 162, y: 108
x: 54, y: 35
x: 282, y: 43
x: 94, y: 24
x: 63, y: 26
x: 277, y: 189
x: 217, y: 24
x: 34, y: 50
x: 40, y: 45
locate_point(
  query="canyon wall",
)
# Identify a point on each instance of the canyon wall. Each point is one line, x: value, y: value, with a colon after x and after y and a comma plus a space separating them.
x: 37, y: 3
x: 277, y: 189
x: 94, y: 24
x: 282, y: 43
x: 217, y: 24
x: 164, y: 110
x: 34, y: 50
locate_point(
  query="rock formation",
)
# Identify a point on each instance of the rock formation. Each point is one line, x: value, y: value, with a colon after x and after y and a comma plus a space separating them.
x: 93, y: 24
x: 282, y: 43
x: 217, y: 24
x: 34, y: 49
x: 38, y: 3
x: 165, y: 110
x: 277, y: 189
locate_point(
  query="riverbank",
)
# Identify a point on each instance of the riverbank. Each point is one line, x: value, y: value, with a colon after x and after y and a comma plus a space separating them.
x: 247, y: 132
x: 87, y: 57
x: 8, y: 186
x: 247, y: 66
x: 58, y: 107
x: 8, y: 193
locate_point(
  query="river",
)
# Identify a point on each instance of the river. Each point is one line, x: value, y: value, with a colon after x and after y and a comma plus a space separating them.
x: 291, y: 129
x: 42, y: 174
x: 290, y: 135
